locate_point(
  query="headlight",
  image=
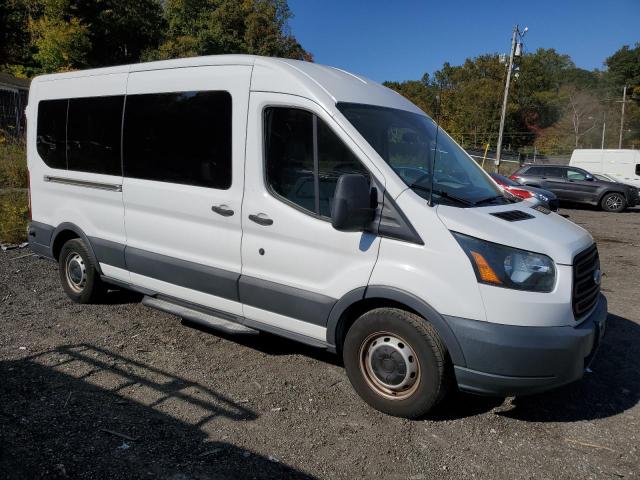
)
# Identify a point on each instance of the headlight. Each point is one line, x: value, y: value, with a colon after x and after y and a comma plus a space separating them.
x: 542, y: 197
x: 507, y: 267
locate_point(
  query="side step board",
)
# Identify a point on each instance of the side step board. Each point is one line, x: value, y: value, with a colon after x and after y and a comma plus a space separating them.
x: 196, y: 316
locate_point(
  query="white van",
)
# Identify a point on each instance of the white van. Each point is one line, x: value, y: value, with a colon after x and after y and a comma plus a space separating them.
x: 623, y: 165
x: 260, y: 194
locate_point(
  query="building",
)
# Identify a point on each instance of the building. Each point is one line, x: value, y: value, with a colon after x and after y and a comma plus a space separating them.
x: 13, y: 100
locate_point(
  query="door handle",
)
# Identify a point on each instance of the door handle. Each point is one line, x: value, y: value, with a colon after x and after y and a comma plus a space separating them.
x: 222, y: 210
x: 260, y: 220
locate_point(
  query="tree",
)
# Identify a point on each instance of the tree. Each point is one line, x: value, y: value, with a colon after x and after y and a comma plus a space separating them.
x: 61, y: 44
x: 623, y: 67
x: 207, y: 27
x: 120, y: 30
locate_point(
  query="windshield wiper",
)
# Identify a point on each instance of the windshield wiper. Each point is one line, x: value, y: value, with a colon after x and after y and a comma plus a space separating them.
x: 443, y: 194
x: 489, y: 199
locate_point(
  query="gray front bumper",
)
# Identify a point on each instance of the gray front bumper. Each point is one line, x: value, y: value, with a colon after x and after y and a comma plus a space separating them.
x: 509, y: 360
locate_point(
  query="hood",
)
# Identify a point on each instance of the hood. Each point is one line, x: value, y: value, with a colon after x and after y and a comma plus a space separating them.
x: 550, y: 234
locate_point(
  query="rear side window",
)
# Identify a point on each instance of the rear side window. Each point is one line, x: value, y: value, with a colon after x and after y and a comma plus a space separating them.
x: 304, y: 159
x: 51, y: 132
x: 554, y: 172
x: 537, y: 171
x: 181, y: 137
x: 93, y: 134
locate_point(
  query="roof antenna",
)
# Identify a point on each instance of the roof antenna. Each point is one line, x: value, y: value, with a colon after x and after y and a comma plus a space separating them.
x: 435, y: 148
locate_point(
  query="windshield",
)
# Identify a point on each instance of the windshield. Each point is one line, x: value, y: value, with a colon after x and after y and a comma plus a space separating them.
x: 407, y: 142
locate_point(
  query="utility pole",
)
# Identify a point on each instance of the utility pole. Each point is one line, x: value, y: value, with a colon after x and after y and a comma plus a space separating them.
x: 515, y: 45
x: 624, y: 101
x: 604, y: 128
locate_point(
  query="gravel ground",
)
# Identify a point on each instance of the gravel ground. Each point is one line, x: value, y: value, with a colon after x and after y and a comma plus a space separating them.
x: 121, y: 391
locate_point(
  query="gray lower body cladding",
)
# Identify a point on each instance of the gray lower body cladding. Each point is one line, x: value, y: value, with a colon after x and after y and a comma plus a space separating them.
x: 488, y: 358
x: 510, y: 360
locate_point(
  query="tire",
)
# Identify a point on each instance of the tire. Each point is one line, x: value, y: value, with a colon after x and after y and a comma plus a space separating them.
x: 613, y: 202
x: 379, y: 344
x: 78, y: 274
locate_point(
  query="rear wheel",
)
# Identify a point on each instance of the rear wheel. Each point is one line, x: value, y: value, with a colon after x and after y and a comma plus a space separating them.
x: 396, y: 362
x: 613, y: 202
x: 79, y: 276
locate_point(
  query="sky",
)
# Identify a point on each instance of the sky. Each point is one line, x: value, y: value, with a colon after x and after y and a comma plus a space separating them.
x: 403, y: 39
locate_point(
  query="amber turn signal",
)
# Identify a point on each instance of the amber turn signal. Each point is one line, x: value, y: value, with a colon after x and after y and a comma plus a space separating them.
x: 485, y: 271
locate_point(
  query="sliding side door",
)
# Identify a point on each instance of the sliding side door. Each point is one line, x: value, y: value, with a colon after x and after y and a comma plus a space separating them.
x: 183, y: 156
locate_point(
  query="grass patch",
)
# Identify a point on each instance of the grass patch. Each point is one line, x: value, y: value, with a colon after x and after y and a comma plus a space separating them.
x: 13, y: 164
x: 14, y: 215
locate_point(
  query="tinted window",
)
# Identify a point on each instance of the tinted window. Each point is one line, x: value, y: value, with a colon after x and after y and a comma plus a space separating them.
x: 289, y: 155
x: 182, y: 137
x: 93, y: 134
x: 538, y: 171
x: 573, y: 174
x: 51, y: 132
x: 554, y: 172
x: 334, y: 159
x: 293, y: 167
x: 637, y: 168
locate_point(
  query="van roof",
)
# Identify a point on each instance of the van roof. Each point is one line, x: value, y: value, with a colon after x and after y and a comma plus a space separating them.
x: 324, y: 84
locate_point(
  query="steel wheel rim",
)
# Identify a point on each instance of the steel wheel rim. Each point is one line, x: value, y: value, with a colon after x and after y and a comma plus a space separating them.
x: 75, y: 272
x: 614, y: 202
x: 389, y: 365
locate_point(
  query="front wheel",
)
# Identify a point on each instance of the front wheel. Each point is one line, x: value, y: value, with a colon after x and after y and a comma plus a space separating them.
x: 613, y: 202
x: 396, y: 362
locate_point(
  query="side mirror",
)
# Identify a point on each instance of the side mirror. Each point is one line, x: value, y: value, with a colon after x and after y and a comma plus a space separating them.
x: 352, y: 210
x: 589, y: 178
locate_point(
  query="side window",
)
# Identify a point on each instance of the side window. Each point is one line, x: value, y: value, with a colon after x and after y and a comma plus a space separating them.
x: 556, y: 172
x: 182, y: 137
x: 573, y: 174
x: 289, y: 155
x: 334, y: 159
x: 304, y: 158
x: 51, y: 132
x: 93, y: 134
x: 637, y: 168
x: 535, y: 171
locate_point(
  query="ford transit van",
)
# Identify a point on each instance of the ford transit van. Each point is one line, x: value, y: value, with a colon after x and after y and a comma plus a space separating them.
x: 623, y: 165
x: 260, y: 194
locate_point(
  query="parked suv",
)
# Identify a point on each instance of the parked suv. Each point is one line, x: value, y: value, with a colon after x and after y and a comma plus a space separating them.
x: 571, y: 184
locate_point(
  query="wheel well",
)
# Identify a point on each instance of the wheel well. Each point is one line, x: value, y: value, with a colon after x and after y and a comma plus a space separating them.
x: 63, y: 237
x: 356, y: 310
x: 607, y: 192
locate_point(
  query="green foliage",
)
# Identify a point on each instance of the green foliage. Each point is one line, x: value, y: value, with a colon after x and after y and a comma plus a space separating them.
x: 41, y: 36
x: 13, y: 164
x: 553, y: 105
x: 208, y: 27
x: 14, y: 215
x: 60, y: 45
x: 623, y: 67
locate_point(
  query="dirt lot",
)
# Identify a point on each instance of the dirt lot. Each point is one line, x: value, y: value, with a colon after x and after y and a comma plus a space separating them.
x: 121, y: 391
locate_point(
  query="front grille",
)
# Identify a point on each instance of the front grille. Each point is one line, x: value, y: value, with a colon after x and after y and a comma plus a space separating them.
x: 585, y: 287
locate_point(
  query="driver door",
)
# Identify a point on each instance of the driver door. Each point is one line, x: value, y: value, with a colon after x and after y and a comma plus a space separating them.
x: 580, y: 189
x: 295, y: 265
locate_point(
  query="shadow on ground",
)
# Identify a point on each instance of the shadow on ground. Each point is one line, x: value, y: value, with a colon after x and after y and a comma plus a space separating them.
x: 82, y: 411
x: 611, y: 388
